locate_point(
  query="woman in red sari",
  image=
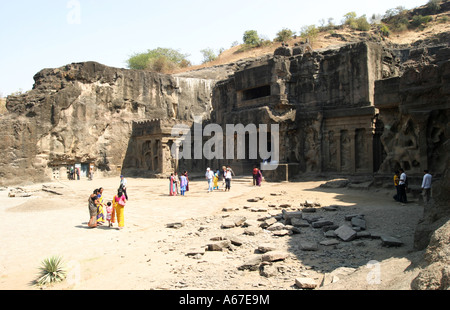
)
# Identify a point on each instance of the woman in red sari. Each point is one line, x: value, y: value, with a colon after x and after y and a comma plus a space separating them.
x: 173, y: 186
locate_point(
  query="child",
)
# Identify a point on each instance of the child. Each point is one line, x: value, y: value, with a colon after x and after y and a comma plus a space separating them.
x: 216, y: 180
x: 109, y: 211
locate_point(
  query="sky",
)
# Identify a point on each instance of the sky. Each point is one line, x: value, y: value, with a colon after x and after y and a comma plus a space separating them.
x: 40, y: 34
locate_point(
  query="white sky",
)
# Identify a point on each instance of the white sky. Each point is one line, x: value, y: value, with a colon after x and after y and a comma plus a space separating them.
x: 42, y: 34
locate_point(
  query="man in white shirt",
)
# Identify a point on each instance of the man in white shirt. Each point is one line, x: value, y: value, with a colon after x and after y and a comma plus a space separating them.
x: 426, y: 186
x: 209, y: 175
x: 402, y: 185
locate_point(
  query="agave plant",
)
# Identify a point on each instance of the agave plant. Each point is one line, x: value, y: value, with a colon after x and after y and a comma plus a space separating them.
x: 52, y: 270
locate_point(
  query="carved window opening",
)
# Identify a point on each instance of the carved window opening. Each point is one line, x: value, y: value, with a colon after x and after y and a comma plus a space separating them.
x: 254, y: 93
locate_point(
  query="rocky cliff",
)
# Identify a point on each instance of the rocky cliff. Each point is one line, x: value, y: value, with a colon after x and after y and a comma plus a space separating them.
x: 83, y: 112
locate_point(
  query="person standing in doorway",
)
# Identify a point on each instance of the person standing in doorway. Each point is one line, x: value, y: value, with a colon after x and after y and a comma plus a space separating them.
x: 426, y: 186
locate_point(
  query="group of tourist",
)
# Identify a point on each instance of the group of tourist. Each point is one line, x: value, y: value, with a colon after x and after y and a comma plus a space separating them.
x: 401, y: 185
x: 111, y: 211
x: 213, y: 177
x: 178, y: 185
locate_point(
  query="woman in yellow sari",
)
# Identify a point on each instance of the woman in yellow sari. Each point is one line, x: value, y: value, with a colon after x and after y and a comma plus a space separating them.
x: 118, y: 208
x: 101, y: 207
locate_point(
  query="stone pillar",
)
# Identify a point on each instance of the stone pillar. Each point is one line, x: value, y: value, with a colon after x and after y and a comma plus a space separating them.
x: 352, y: 134
x: 422, y: 121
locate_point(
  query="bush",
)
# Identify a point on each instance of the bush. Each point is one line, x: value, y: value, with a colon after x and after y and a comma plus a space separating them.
x: 309, y: 32
x: 251, y: 38
x: 52, y: 271
x: 208, y: 55
x: 357, y: 23
x: 434, y: 5
x: 159, y: 60
x: 284, y: 35
x: 384, y: 30
x: 419, y: 21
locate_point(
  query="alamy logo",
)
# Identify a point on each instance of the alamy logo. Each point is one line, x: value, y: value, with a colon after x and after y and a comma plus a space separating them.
x: 214, y: 147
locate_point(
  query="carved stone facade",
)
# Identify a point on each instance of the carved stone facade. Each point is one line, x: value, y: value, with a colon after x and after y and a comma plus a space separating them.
x: 355, y: 109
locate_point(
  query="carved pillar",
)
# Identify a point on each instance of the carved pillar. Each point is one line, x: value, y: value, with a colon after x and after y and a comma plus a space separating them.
x: 422, y: 122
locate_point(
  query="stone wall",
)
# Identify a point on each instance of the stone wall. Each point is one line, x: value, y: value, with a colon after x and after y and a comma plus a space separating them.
x: 83, y: 113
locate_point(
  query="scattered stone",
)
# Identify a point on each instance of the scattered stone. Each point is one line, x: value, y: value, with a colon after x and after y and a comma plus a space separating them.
x: 330, y: 208
x: 195, y: 251
x: 268, y: 270
x: 236, y: 241
x: 299, y: 222
x: 288, y: 216
x: 273, y: 256
x: 308, y: 246
x: 268, y: 222
x: 308, y: 204
x: 252, y: 263
x: 266, y: 247
x: 349, y: 217
x: 345, y: 233
x: 52, y: 190
x: 219, y: 246
x: 329, y: 278
x: 252, y: 231
x: 229, y: 209
x: 258, y: 209
x: 358, y: 222
x: 329, y: 234
x: 174, y: 225
x: 284, y: 206
x: 375, y: 235
x: 390, y: 241
x: 282, y: 232
x: 276, y: 226
x: 228, y: 224
x: 329, y: 242
x: 363, y: 234
x: 321, y: 223
x: 239, y: 221
x: 305, y: 283
x: 309, y: 210
x: 253, y: 200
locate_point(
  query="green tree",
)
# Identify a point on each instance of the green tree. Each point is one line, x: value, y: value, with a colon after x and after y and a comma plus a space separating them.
x: 158, y: 60
x: 309, y: 32
x: 284, y: 35
x: 208, y: 55
x: 251, y: 37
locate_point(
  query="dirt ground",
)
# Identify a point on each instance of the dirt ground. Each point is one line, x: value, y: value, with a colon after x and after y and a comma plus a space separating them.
x: 149, y: 255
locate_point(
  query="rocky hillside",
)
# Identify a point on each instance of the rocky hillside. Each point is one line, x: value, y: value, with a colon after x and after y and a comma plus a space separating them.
x: 436, y: 31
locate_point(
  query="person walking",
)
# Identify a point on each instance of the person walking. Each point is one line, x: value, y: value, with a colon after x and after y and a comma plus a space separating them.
x: 426, y: 186
x: 209, y: 175
x: 228, y: 177
x: 402, y: 186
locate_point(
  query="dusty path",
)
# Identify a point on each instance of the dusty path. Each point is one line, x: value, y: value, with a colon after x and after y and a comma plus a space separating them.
x: 148, y: 255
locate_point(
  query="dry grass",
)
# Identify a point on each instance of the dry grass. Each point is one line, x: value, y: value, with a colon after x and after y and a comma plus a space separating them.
x: 2, y: 106
x: 325, y: 40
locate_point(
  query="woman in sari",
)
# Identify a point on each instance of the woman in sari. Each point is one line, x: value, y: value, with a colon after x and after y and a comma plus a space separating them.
x: 258, y: 177
x: 173, y: 186
x: 100, y: 205
x: 119, y: 204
